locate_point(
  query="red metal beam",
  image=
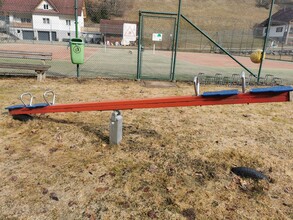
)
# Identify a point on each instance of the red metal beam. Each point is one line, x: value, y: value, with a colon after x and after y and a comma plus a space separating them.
x: 180, y: 101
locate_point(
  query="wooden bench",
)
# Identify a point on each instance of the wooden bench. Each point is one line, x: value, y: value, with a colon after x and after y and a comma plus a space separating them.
x: 15, y: 63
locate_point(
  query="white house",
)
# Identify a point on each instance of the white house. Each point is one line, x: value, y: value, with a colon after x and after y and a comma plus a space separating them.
x: 281, y: 29
x: 46, y: 20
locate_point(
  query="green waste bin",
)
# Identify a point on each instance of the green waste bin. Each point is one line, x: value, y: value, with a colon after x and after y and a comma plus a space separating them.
x: 77, y: 51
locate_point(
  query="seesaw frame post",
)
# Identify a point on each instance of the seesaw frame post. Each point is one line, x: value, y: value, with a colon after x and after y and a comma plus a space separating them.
x: 116, y: 127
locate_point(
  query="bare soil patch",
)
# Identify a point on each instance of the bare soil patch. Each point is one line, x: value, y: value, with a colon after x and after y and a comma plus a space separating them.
x: 158, y: 84
x: 173, y: 163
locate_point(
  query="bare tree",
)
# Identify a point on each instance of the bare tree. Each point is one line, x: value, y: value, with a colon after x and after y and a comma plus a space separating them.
x: 97, y: 10
x: 104, y: 9
x: 116, y: 7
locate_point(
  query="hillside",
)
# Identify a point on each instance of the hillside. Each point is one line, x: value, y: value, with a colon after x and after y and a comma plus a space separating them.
x: 208, y: 14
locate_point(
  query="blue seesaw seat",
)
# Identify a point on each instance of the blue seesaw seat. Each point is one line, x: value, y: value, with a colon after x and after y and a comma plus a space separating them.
x: 276, y: 89
x: 38, y: 105
x: 221, y: 93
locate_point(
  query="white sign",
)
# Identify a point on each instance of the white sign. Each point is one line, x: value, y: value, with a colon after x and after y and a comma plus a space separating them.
x: 157, y: 37
x: 129, y: 32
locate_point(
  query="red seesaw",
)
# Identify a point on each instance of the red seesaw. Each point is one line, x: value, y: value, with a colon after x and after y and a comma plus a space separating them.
x: 253, y: 96
x: 257, y: 95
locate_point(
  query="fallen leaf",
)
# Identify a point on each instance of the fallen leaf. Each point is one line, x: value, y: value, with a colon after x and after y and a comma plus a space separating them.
x: 189, y: 214
x: 54, y: 196
x: 152, y: 214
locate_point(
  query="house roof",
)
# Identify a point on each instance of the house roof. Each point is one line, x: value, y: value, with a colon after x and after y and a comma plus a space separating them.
x: 281, y: 17
x: 111, y: 26
x: 65, y: 7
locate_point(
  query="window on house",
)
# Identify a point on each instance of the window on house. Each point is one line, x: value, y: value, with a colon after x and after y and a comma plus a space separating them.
x: 279, y: 29
x: 46, y: 6
x: 26, y: 20
x: 68, y: 22
x: 291, y: 30
x: 46, y: 20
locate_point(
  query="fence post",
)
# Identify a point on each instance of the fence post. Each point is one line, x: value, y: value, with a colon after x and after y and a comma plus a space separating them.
x: 231, y: 43
x: 266, y: 39
x: 138, y: 73
x: 241, y: 41
x: 76, y: 31
x: 176, y: 41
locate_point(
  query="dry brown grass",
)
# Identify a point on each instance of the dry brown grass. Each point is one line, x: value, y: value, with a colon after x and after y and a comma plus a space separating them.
x: 173, y: 163
x: 214, y: 15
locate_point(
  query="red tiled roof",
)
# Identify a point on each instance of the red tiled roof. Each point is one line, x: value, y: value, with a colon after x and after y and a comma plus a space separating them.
x: 65, y: 7
x: 111, y: 26
x: 19, y: 5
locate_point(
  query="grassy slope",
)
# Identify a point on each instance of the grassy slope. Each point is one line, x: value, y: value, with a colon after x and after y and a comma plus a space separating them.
x: 209, y: 14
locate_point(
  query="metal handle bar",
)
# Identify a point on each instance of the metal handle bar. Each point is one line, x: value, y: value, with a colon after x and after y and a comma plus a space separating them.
x: 243, y: 82
x: 196, y: 86
x: 53, y: 97
x: 27, y: 94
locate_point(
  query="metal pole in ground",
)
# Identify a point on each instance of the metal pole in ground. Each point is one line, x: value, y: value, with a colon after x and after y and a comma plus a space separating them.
x: 266, y: 39
x: 116, y: 126
x: 139, y: 49
x: 177, y: 39
x: 76, y: 30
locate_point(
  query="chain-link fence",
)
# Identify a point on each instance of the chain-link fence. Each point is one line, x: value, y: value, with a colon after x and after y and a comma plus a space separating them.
x: 107, y: 54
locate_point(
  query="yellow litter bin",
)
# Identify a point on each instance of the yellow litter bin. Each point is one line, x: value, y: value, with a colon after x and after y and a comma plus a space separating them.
x: 77, y: 51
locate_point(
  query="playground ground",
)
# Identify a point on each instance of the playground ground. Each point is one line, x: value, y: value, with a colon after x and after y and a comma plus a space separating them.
x: 173, y: 163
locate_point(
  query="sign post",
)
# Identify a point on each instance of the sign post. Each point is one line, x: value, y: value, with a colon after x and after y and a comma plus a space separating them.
x: 129, y: 33
x: 156, y: 37
x: 76, y: 30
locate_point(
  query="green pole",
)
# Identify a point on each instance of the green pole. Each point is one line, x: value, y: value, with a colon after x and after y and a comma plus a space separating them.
x: 139, y: 43
x: 266, y: 40
x: 76, y: 30
x: 172, y: 57
x: 177, y: 39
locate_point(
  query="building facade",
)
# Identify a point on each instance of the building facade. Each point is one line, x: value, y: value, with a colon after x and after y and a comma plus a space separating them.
x: 281, y: 29
x: 44, y: 20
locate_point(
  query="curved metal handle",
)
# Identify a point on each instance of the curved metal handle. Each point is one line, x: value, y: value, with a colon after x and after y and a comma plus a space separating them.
x: 196, y: 86
x: 53, y: 97
x: 27, y: 94
x: 243, y: 82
